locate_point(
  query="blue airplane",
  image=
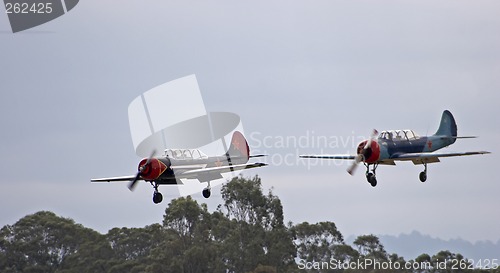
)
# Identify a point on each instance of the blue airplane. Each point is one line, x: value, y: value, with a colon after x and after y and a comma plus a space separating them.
x: 403, y: 145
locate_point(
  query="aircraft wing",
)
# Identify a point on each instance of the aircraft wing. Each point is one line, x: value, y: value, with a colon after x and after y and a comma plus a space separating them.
x: 203, y: 175
x: 112, y: 179
x: 349, y: 157
x: 346, y: 157
x: 208, y: 174
x: 421, y: 158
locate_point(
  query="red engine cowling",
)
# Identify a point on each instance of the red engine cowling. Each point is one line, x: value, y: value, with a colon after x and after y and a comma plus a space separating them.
x: 153, y: 170
x: 370, y: 154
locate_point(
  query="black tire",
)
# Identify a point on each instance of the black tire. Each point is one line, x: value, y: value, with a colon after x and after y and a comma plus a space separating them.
x: 369, y: 177
x: 157, y: 197
x: 423, y: 177
x: 373, y: 181
x: 206, y: 193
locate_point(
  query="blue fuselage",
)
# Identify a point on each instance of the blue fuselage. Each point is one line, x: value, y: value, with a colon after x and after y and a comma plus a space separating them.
x: 389, y: 148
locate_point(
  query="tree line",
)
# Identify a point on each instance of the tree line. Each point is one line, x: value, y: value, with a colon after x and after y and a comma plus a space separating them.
x: 245, y: 234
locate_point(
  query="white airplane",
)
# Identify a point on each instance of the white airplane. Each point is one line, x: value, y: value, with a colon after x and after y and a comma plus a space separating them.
x: 190, y: 164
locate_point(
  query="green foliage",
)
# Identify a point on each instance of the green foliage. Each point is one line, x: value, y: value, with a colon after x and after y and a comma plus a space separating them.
x: 320, y: 242
x: 256, y: 234
x: 42, y: 242
x: 370, y: 247
x: 245, y: 234
x: 188, y: 244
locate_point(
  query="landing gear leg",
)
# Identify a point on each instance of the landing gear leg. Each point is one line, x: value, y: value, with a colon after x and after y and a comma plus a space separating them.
x: 157, y: 196
x: 423, y: 175
x: 206, y: 191
x: 371, y: 176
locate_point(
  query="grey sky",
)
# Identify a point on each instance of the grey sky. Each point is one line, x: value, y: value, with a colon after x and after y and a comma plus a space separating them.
x: 289, y: 69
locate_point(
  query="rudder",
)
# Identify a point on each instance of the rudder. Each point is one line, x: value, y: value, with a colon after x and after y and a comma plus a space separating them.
x: 238, y: 150
x: 448, y: 126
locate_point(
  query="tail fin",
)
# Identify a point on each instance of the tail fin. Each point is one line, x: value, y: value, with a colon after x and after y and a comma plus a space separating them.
x: 448, y: 126
x: 239, y: 150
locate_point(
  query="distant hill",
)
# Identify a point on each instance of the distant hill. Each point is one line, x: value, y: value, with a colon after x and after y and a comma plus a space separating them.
x: 412, y: 245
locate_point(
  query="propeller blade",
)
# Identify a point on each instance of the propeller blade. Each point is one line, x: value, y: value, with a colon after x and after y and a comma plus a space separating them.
x: 132, y: 184
x: 360, y: 156
x: 372, y: 137
x: 368, y: 144
x: 149, y: 158
x: 355, y: 164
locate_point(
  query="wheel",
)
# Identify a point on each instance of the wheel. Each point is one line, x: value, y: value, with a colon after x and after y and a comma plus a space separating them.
x: 157, y: 197
x: 423, y: 176
x: 369, y: 177
x: 373, y: 181
x: 206, y: 193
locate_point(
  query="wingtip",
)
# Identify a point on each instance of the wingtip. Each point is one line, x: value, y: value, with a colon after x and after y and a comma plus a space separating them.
x: 93, y: 180
x: 261, y: 155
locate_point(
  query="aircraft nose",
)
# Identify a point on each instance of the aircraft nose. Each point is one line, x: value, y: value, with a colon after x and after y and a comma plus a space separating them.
x: 152, y: 170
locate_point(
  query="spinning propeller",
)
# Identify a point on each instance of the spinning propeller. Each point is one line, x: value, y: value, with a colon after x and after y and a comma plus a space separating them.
x: 361, y: 154
x: 132, y: 185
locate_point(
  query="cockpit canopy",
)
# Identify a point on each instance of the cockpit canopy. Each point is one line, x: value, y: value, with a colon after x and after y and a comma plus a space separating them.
x: 185, y: 154
x: 398, y: 135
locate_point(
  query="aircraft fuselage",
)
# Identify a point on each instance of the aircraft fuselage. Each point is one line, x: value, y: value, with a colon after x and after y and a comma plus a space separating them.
x: 165, y: 170
x: 389, y: 148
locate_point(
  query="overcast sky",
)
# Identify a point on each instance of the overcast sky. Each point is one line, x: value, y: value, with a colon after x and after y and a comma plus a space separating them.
x: 291, y: 70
